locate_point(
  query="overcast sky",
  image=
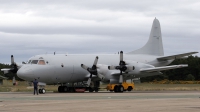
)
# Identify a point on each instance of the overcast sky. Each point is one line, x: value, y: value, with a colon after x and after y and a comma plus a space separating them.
x: 30, y: 27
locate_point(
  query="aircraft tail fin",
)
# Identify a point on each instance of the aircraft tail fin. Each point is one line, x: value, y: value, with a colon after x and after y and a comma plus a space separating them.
x: 154, y: 46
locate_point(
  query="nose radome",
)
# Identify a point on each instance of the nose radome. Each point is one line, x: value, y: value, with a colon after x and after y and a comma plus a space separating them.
x: 25, y: 73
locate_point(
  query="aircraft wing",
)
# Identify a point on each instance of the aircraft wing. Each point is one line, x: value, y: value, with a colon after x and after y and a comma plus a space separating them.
x: 164, y: 58
x: 157, y: 69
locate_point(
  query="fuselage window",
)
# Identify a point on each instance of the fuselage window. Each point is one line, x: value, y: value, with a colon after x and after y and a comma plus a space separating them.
x: 41, y: 62
x: 34, y: 61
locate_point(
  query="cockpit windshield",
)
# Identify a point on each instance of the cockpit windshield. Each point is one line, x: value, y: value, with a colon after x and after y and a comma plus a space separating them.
x: 29, y: 62
x: 34, y: 61
x: 41, y: 62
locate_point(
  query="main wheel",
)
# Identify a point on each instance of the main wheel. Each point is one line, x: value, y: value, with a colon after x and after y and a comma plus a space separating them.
x: 91, y: 89
x: 60, y: 89
x: 120, y: 88
x: 71, y: 89
x: 96, y: 89
x: 116, y: 88
x: 65, y: 88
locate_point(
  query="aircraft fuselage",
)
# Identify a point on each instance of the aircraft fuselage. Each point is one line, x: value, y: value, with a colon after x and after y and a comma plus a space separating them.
x: 61, y: 68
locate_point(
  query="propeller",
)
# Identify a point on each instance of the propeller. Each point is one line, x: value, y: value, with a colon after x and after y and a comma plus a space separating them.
x: 92, y: 70
x: 14, y: 67
x: 122, y: 67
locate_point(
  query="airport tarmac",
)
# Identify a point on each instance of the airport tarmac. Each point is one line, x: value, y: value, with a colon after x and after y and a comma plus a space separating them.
x: 136, y: 101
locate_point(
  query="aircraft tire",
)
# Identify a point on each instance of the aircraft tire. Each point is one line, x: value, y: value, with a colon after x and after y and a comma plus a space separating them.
x: 116, y: 89
x: 91, y: 90
x: 43, y: 91
x: 120, y: 88
x: 60, y: 89
x: 96, y: 89
x: 40, y: 91
x: 65, y: 89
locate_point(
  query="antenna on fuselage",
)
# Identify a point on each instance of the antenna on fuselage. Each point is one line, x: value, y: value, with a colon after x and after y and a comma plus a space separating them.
x: 54, y: 53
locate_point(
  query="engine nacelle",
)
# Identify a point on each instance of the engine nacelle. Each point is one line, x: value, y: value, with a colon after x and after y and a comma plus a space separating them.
x: 134, y: 67
x: 103, y: 72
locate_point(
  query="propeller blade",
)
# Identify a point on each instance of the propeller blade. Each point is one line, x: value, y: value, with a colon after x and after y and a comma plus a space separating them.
x: 121, y: 55
x: 121, y: 79
x: 5, y: 69
x: 84, y: 67
x: 89, y: 81
x: 14, y: 81
x: 100, y: 76
x: 96, y: 60
x: 92, y: 70
x: 12, y: 60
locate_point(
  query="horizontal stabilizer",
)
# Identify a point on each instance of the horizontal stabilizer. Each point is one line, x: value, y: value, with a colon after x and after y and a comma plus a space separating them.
x: 164, y: 58
x: 157, y: 69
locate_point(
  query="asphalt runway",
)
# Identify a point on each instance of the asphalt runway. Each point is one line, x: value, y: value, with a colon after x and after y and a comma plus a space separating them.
x: 137, y: 101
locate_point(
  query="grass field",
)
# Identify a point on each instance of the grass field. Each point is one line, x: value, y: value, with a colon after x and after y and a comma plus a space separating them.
x: 23, y: 86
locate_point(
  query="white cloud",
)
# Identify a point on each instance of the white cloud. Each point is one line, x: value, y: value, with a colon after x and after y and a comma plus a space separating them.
x: 35, y: 27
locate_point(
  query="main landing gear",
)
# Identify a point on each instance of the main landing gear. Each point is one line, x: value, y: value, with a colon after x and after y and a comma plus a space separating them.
x: 79, y: 87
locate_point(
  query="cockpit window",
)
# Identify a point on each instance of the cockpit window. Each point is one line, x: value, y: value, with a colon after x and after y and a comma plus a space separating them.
x: 41, y: 62
x: 34, y: 61
x: 29, y: 61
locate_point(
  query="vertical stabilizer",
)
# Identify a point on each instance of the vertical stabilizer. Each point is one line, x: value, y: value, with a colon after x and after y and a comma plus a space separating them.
x: 154, y: 45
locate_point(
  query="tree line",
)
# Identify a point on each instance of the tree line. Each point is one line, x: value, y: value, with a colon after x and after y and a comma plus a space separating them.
x: 190, y: 73
x: 8, y: 75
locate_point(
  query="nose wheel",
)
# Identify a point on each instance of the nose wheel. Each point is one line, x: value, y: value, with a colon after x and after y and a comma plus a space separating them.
x: 42, y: 91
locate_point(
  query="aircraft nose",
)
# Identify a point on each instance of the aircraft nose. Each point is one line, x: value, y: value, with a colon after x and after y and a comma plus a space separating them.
x: 25, y: 73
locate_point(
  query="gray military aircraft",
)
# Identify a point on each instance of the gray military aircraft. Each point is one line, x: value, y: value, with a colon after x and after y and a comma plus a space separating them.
x: 107, y: 68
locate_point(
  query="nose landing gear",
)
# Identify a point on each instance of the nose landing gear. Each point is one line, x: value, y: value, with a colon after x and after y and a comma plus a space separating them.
x: 42, y: 91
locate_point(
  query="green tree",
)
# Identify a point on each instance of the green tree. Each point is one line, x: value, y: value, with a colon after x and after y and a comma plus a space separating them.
x: 8, y: 75
x: 181, y: 73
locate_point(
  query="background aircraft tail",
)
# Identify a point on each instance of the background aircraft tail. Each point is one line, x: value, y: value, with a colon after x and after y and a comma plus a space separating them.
x: 154, y: 46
